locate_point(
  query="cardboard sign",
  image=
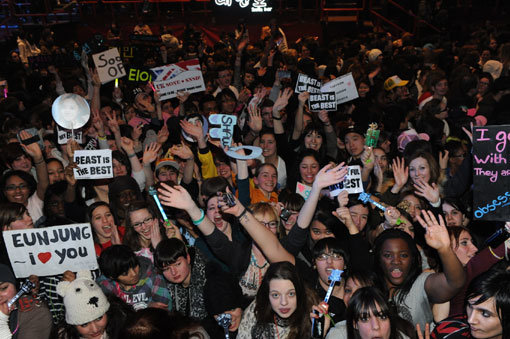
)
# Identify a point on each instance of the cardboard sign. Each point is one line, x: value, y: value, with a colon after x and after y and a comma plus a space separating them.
x: 325, y: 101
x: 137, y: 75
x: 109, y: 65
x: 226, y: 131
x: 306, y: 84
x: 352, y: 182
x: 183, y: 76
x: 255, y: 152
x: 303, y: 190
x: 491, y: 172
x: 95, y: 164
x: 344, y: 88
x: 65, y: 135
x: 51, y: 250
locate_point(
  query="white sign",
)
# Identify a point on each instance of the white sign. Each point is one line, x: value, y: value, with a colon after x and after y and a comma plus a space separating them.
x: 352, y: 182
x: 226, y: 131
x: 303, y: 190
x: 255, y: 152
x: 344, y: 88
x: 95, y: 164
x: 109, y: 65
x: 185, y: 76
x: 51, y: 250
x: 66, y: 135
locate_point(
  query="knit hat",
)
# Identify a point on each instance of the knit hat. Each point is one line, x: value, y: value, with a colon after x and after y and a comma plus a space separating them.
x: 84, y: 300
x: 493, y: 67
x: 6, y: 275
x: 410, y: 135
x: 374, y: 54
x: 167, y: 161
x: 393, y: 82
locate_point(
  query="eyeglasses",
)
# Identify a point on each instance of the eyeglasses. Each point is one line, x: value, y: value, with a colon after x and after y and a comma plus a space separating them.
x: 145, y: 222
x: 271, y: 224
x: 14, y: 187
x: 333, y: 256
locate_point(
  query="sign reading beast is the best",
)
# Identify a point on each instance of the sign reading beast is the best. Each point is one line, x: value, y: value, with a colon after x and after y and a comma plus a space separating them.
x: 185, y: 76
x: 96, y: 164
x: 51, y: 250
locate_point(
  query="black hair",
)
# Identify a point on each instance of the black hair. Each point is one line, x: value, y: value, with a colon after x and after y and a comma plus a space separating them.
x: 56, y: 189
x: 494, y: 283
x: 91, y: 210
x: 123, y: 159
x: 168, y: 252
x: 211, y: 186
x: 11, y: 152
x: 362, y: 305
x: 117, y: 260
x: 332, y: 245
x: 414, y: 266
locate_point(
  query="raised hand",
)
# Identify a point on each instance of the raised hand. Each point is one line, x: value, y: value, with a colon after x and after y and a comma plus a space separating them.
x: 344, y: 215
x: 391, y: 215
x: 235, y: 210
x: 115, y: 236
x: 303, y: 96
x: 32, y: 149
x: 172, y: 231
x: 195, y: 131
x: 176, y: 196
x: 127, y: 145
x: 343, y: 198
x: 69, y: 173
x: 137, y: 132
x: 283, y: 100
x: 443, y: 159
x: 420, y: 333
x: 400, y: 172
x: 71, y: 146
x: 244, y: 95
x: 113, y: 124
x: 97, y: 122
x: 436, y: 234
x: 255, y: 121
x: 330, y: 176
x: 429, y: 192
x: 324, y: 117
x: 182, y: 151
x: 163, y: 135
x: 368, y: 158
x: 182, y: 96
x: 150, y: 154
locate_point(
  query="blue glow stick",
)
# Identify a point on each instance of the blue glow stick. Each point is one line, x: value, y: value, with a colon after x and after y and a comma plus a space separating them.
x: 334, y: 277
x: 154, y: 194
x: 366, y: 197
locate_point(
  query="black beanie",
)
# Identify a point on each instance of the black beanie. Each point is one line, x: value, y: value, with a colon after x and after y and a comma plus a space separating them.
x: 6, y: 275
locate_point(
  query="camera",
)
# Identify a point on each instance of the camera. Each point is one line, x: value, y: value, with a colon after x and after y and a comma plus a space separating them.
x: 228, y: 198
x: 285, y: 215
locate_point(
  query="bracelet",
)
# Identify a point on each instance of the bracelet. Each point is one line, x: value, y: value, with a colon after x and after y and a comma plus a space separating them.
x: 101, y: 137
x: 199, y: 221
x: 242, y: 214
x: 275, y: 118
x: 39, y: 162
x: 131, y: 155
x: 494, y: 254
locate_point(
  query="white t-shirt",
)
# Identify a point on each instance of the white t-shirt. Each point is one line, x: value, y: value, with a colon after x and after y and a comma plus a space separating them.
x: 35, y: 207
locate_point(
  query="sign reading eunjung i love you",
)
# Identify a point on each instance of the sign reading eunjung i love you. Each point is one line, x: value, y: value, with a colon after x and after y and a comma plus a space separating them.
x: 183, y: 76
x: 93, y: 164
x: 491, y: 172
x: 51, y: 250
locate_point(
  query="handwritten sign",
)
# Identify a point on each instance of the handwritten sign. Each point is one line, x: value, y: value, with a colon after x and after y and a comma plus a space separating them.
x: 109, y: 65
x: 51, y: 250
x: 255, y: 152
x: 491, y: 172
x: 322, y: 101
x: 306, y: 84
x: 352, y: 183
x: 95, y: 164
x: 303, y: 190
x: 183, y: 76
x: 226, y: 131
x: 65, y: 135
x: 344, y: 88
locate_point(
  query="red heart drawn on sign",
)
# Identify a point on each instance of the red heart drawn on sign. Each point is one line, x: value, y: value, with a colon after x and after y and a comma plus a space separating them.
x: 44, y: 257
x: 301, y: 187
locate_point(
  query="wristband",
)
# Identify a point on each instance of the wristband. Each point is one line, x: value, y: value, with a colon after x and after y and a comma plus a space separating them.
x: 243, y: 213
x: 131, y: 155
x: 39, y: 162
x: 101, y: 137
x: 199, y: 221
x: 494, y: 254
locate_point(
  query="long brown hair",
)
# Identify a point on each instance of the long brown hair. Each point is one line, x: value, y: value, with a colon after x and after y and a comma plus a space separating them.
x: 132, y: 238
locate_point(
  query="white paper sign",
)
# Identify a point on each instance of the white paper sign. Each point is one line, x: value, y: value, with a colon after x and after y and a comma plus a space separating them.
x: 51, y: 250
x: 352, y: 182
x: 303, y: 190
x: 226, y: 131
x: 344, y: 88
x: 95, y: 164
x: 109, y: 65
x: 185, y: 76
x: 66, y: 135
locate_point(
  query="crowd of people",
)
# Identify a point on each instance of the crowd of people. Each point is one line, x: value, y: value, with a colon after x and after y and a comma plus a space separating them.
x: 250, y: 244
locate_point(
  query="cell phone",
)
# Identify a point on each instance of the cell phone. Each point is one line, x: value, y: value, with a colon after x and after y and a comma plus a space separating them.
x: 284, y: 75
x: 35, y: 138
x: 285, y: 215
x: 229, y: 199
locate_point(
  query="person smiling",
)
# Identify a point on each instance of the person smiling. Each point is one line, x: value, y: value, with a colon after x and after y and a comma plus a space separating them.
x: 104, y: 229
x: 281, y: 308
